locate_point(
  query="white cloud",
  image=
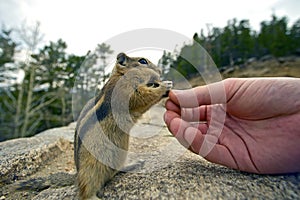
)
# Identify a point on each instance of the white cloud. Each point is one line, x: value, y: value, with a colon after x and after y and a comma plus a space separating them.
x: 83, y: 24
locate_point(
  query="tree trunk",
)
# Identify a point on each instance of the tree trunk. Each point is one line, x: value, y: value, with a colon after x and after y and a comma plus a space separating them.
x: 28, y: 102
x: 18, y: 111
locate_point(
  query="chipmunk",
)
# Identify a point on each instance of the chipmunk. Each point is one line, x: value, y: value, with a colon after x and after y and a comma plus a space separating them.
x: 102, y: 131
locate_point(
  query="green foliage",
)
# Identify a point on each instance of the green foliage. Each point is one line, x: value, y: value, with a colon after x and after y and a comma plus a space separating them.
x: 54, y: 77
x: 44, y: 98
x: 7, y: 53
x: 273, y: 37
x: 235, y: 44
x: 295, y: 37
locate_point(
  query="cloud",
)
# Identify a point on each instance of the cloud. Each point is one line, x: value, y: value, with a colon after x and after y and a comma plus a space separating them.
x: 84, y: 24
x: 10, y: 12
x: 288, y: 7
x: 13, y: 12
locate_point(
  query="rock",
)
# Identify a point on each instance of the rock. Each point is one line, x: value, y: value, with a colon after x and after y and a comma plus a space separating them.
x: 32, y: 157
x: 251, y: 60
x: 66, y: 193
x: 229, y: 70
x: 168, y: 172
x: 24, y: 156
x: 282, y: 60
x: 267, y: 58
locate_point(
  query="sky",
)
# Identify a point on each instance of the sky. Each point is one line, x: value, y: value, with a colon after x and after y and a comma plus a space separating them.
x: 85, y: 23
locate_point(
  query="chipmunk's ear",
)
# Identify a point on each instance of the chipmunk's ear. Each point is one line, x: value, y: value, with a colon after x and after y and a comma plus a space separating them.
x: 122, y: 59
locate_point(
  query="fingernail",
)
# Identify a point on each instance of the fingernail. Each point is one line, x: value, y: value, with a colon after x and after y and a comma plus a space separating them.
x: 190, y: 135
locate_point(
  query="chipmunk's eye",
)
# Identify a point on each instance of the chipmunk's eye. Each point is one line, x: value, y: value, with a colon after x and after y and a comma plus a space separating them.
x: 143, y: 61
x: 153, y: 85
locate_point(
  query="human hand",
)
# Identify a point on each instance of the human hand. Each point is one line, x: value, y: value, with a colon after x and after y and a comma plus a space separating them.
x: 257, y: 120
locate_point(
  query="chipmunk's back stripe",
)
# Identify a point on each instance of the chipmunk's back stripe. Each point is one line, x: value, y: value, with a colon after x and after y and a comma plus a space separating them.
x: 103, y: 111
x: 96, y: 116
x: 96, y: 110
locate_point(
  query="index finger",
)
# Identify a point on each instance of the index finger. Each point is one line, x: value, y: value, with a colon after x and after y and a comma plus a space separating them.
x: 203, y: 95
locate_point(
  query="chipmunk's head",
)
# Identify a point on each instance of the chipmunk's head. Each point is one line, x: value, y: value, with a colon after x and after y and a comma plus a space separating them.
x: 142, y: 87
x: 148, y: 90
x: 125, y: 63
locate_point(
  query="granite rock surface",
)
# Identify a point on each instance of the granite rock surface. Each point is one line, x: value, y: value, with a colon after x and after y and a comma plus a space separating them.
x: 42, y: 167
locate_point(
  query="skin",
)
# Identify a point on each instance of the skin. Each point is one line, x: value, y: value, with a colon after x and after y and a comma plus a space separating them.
x: 258, y: 133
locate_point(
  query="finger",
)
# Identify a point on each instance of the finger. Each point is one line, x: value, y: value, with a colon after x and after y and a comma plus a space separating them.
x: 203, y: 95
x: 204, y: 113
x: 204, y: 145
x: 169, y: 116
x: 196, y: 114
x: 172, y: 107
x: 207, y: 147
x: 202, y: 126
x: 199, y: 142
x: 176, y: 126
